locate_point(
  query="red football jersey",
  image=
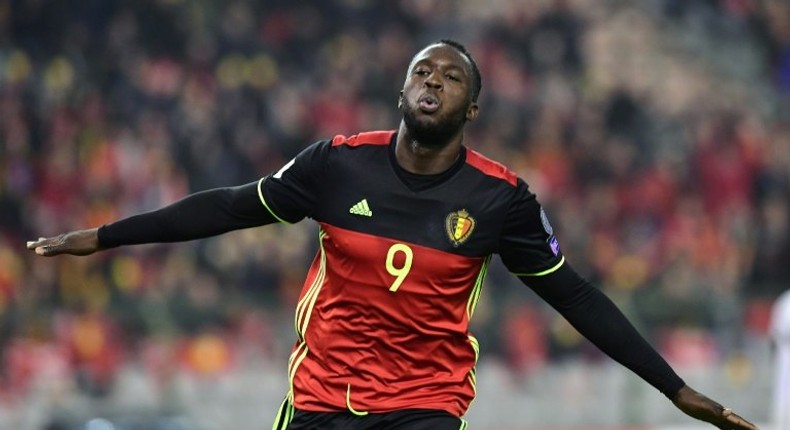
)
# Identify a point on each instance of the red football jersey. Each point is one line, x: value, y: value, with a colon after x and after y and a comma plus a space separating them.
x: 382, y: 321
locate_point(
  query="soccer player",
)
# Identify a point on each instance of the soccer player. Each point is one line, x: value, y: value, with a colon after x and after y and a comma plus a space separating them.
x: 409, y: 220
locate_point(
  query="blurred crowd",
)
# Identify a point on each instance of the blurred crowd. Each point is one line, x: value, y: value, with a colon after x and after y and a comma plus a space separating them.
x: 667, y: 179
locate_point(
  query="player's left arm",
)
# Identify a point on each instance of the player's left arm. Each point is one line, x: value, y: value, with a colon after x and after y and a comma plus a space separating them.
x: 598, y: 319
x: 529, y: 249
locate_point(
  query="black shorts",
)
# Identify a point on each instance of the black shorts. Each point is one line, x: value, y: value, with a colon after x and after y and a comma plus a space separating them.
x: 289, y: 418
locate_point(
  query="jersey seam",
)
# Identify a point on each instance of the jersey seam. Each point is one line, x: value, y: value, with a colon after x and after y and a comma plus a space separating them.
x: 263, y: 201
x: 544, y: 272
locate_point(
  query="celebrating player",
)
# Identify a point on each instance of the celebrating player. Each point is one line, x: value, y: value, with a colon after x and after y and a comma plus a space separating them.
x: 409, y: 220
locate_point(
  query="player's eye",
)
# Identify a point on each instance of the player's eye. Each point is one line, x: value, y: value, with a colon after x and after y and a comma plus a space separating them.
x: 453, y: 78
x: 421, y: 72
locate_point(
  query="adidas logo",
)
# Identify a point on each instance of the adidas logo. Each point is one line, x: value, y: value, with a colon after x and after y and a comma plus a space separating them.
x: 361, y: 208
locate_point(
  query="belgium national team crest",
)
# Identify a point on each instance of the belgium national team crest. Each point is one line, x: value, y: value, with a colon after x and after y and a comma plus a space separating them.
x: 459, y: 226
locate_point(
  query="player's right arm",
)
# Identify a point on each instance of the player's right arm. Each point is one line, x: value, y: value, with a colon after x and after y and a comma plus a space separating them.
x: 199, y: 215
x: 285, y: 196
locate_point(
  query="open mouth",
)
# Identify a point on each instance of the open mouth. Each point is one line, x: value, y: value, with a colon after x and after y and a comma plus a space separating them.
x: 428, y: 103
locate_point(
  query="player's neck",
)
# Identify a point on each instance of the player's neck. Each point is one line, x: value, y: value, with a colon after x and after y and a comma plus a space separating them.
x: 416, y: 157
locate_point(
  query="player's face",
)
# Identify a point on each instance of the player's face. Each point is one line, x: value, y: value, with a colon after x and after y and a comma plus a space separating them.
x: 436, y: 98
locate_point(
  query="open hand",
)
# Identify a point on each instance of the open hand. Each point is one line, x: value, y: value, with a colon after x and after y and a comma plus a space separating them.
x: 699, y: 406
x: 80, y: 242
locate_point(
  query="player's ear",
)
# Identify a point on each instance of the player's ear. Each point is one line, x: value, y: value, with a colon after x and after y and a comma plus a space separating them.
x: 400, y: 99
x: 471, y: 112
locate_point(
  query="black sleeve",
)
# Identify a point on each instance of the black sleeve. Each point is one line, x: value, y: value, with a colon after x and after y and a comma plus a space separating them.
x: 527, y: 244
x: 599, y: 320
x: 294, y: 192
x: 199, y: 215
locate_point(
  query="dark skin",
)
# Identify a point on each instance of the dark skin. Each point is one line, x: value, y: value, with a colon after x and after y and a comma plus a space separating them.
x: 436, y: 101
x: 439, y: 78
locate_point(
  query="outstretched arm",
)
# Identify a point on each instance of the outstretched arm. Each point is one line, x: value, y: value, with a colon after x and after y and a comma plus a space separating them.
x: 197, y: 216
x: 599, y: 320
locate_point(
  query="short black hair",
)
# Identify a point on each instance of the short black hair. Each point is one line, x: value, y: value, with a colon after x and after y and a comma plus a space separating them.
x: 477, y: 80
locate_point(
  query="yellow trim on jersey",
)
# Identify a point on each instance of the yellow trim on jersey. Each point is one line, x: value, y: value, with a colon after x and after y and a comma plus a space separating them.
x: 471, y: 305
x: 348, y: 404
x: 475, y: 346
x: 294, y: 361
x: 260, y: 196
x: 464, y: 424
x: 472, y: 376
x: 475, y: 296
x: 284, y: 415
x: 303, y: 311
x: 305, y: 306
x: 545, y: 272
x: 473, y: 380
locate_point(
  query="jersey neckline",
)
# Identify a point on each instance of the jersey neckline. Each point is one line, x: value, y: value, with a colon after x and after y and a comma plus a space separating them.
x: 417, y: 182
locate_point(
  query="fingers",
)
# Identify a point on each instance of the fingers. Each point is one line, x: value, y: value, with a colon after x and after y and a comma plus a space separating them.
x: 79, y: 242
x: 37, y: 245
x: 735, y: 421
x: 32, y: 244
x: 45, y: 246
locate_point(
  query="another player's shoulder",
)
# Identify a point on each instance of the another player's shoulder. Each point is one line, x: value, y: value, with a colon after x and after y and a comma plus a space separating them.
x: 782, y: 305
x: 490, y: 167
x: 365, y: 138
x: 780, y: 317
